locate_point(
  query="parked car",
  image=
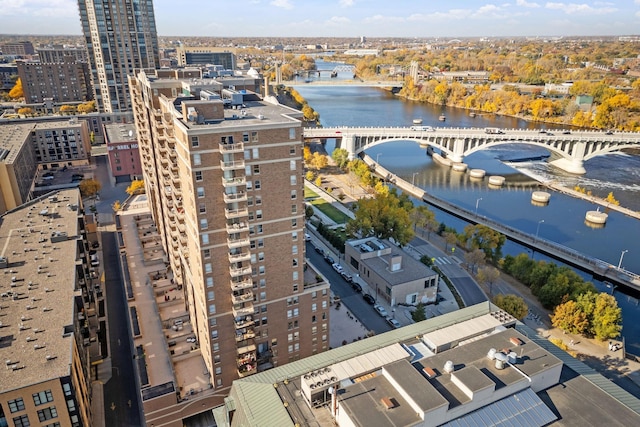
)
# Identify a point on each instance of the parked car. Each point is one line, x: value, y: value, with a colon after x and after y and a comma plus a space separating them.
x: 307, y: 237
x: 369, y: 299
x: 329, y: 260
x: 393, y: 322
x: 95, y: 244
x: 319, y: 250
x: 381, y: 310
x: 191, y: 339
x: 346, y: 276
x: 47, y: 177
x: 337, y: 267
x: 356, y: 287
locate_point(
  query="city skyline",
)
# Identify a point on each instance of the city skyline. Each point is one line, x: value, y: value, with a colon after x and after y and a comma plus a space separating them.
x: 350, y: 18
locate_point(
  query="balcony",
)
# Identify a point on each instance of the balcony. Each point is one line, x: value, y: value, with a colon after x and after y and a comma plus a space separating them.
x: 242, y: 310
x: 247, y: 296
x: 232, y: 165
x: 233, y: 182
x: 236, y: 213
x: 239, y: 271
x: 243, y: 322
x: 245, y: 284
x: 247, y: 335
x: 239, y: 257
x: 238, y: 242
x: 237, y: 227
x: 232, y: 148
x: 235, y: 197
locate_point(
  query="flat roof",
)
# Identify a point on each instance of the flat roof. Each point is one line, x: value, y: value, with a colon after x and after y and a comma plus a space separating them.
x: 38, y: 289
x: 121, y: 132
x: 12, y: 138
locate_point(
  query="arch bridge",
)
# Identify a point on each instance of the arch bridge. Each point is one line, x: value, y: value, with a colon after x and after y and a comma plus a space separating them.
x: 573, y: 148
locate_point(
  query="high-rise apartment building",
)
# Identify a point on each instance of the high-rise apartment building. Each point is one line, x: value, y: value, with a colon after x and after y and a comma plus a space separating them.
x: 121, y: 37
x: 224, y: 178
x: 66, y: 81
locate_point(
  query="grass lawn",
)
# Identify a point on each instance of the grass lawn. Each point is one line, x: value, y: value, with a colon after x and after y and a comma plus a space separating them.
x: 325, y: 207
x: 309, y: 193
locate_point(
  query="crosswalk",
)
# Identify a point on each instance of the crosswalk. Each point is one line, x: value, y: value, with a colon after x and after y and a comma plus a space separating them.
x: 441, y: 260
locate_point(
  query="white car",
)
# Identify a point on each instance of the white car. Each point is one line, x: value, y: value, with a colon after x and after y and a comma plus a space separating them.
x: 337, y: 267
x: 307, y: 237
x: 393, y: 322
x: 381, y: 311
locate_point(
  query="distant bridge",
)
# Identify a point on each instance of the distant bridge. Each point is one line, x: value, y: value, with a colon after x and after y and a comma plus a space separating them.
x: 334, y: 82
x: 456, y: 143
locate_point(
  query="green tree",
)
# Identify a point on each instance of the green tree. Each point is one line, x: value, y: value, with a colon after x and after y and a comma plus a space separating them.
x: 512, y: 304
x: 341, y: 157
x: 308, y: 211
x: 382, y: 216
x: 422, y: 217
x: 418, y: 315
x: 484, y: 238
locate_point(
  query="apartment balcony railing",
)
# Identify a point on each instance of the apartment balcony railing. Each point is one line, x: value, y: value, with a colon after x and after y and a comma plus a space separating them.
x: 232, y: 148
x: 244, y: 310
x: 240, y: 257
x: 247, y: 296
x: 244, y: 284
x: 243, y: 322
x: 239, y: 271
x: 238, y: 227
x: 236, y: 213
x: 233, y: 182
x: 232, y: 165
x: 240, y: 242
x: 235, y: 197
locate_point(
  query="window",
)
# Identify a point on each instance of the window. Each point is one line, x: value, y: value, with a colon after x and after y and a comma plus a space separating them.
x: 294, y: 222
x: 200, y: 192
x: 292, y: 151
x: 209, y: 282
x: 218, y: 370
x: 261, y: 243
x: 294, y: 209
x: 207, y: 268
x: 294, y: 194
x: 260, y: 256
x: 294, y: 180
x: 67, y: 389
x: 198, y: 175
x: 211, y: 295
x: 206, y: 253
x: 212, y: 309
x: 56, y: 424
x: 249, y: 185
x: 42, y: 397
x: 257, y: 185
x: 205, y: 238
x: 214, y: 333
x: 195, y: 142
x: 258, y: 200
x: 22, y: 421
x: 47, y: 413
x: 294, y: 262
x: 216, y: 346
x: 256, y: 169
x: 71, y: 404
x: 259, y: 214
x: 202, y: 208
x: 259, y: 228
x: 245, y: 137
x: 204, y: 224
x: 263, y: 296
x: 261, y: 269
x: 294, y: 250
x: 292, y: 165
x: 16, y: 405
x: 254, y: 136
x: 314, y: 307
x: 255, y: 153
x: 197, y: 160
x: 216, y: 358
x: 292, y: 133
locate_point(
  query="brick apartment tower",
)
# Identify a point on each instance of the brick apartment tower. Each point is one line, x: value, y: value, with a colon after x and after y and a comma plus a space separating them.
x: 226, y: 190
x: 120, y: 37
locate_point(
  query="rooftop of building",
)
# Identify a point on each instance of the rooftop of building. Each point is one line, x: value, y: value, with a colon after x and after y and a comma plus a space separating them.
x: 120, y: 132
x: 38, y: 273
x: 383, y: 252
x: 403, y: 365
x: 12, y: 138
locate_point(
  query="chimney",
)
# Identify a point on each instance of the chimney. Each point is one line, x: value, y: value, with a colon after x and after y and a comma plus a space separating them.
x: 396, y: 263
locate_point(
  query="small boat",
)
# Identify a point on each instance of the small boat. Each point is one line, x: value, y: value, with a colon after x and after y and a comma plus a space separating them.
x: 417, y: 121
x: 472, y: 114
x: 442, y: 117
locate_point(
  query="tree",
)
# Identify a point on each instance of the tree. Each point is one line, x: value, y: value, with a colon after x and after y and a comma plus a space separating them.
x: 89, y: 187
x: 136, y: 187
x: 418, y: 315
x: 473, y: 258
x: 421, y: 217
x: 488, y: 275
x: 341, y: 157
x: 308, y: 211
x: 603, y: 314
x: 25, y: 111
x: 87, y: 107
x: 310, y: 175
x: 512, y: 304
x: 319, y: 161
x: 485, y: 238
x: 450, y: 238
x: 382, y: 216
x: 68, y: 109
x: 306, y: 154
x: 116, y: 206
x: 570, y: 318
x: 16, y: 92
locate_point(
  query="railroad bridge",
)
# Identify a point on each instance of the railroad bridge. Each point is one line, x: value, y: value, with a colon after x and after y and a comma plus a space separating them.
x: 572, y: 147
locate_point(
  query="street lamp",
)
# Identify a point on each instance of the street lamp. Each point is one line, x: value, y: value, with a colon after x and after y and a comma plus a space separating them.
x: 622, y: 256
x: 477, y: 203
x: 413, y: 178
x: 378, y: 157
x: 538, y: 229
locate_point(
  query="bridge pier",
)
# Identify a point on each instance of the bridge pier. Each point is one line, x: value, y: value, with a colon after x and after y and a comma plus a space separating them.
x: 574, y: 166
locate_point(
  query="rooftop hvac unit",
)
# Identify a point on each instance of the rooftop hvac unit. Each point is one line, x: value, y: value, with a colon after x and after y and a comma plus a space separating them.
x: 449, y: 367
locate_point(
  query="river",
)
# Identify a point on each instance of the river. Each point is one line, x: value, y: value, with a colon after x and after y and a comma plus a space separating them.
x: 561, y: 221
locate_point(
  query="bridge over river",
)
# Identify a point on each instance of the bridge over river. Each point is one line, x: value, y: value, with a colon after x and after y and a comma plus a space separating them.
x: 596, y: 267
x: 573, y: 148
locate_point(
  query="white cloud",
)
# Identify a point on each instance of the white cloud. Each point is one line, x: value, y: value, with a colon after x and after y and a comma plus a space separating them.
x: 382, y: 19
x: 347, y: 3
x: 583, y: 9
x: 284, y: 4
x: 524, y: 3
x: 338, y: 21
x: 53, y: 8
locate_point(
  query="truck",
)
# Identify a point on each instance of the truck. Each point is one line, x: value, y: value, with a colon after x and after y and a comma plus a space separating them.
x: 493, y: 130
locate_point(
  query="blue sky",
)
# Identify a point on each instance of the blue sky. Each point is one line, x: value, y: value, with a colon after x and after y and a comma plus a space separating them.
x: 348, y: 18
